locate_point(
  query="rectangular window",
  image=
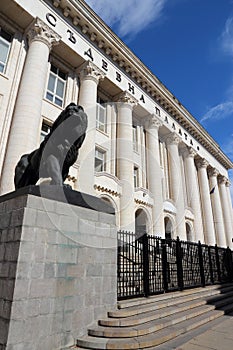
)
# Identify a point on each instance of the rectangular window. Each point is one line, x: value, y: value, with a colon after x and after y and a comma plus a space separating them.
x: 101, y: 115
x: 136, y: 177
x: 100, y: 160
x: 45, y: 129
x: 101, y: 118
x: 135, y: 139
x: 5, y: 43
x: 56, y: 86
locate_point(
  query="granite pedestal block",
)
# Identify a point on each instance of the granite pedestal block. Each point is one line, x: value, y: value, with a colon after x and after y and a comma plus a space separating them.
x: 58, y: 266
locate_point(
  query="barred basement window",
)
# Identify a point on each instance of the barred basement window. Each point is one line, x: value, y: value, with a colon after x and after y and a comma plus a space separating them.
x: 56, y: 86
x: 5, y: 43
x: 100, y: 160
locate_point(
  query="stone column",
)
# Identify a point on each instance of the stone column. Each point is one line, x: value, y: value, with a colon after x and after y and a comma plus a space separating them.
x: 193, y: 193
x: 24, y: 134
x: 175, y: 179
x: 112, y: 122
x: 228, y: 185
x: 154, y: 174
x: 226, y: 210
x: 125, y: 165
x: 217, y: 209
x: 90, y: 75
x: 207, y: 214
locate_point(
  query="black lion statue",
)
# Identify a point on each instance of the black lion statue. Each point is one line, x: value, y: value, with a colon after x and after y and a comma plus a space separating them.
x: 57, y: 153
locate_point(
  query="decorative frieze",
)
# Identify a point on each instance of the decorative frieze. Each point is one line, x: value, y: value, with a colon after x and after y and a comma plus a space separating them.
x: 106, y: 190
x: 139, y: 201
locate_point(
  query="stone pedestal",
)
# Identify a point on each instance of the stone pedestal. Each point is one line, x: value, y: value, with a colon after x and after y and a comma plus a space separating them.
x: 58, y: 265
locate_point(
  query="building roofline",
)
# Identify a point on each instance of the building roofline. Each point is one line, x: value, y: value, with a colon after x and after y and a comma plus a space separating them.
x: 99, y: 32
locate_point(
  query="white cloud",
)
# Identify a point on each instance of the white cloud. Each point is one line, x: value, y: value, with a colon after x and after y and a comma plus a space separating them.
x: 219, y: 112
x: 128, y: 17
x: 227, y: 37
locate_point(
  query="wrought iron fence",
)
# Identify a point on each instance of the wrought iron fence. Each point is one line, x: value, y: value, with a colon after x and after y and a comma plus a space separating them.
x: 150, y: 265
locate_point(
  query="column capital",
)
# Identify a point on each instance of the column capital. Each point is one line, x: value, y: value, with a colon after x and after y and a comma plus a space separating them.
x: 172, y: 139
x: 153, y: 122
x: 213, y: 172
x: 125, y: 98
x: 202, y: 163
x: 89, y: 70
x: 228, y: 183
x: 222, y: 180
x: 39, y: 31
x: 188, y: 151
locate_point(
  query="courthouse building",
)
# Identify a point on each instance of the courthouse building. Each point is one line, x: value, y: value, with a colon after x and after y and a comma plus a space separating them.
x: 144, y: 152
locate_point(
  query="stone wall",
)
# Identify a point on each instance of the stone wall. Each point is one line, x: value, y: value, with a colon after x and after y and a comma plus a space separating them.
x: 57, y: 271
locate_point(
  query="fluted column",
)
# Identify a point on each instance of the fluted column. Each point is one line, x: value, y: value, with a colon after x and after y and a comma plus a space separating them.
x: 175, y: 179
x: 24, y: 134
x: 228, y: 185
x: 90, y: 75
x: 207, y: 214
x: 217, y: 209
x: 125, y: 165
x: 225, y: 210
x: 193, y: 191
x: 154, y: 174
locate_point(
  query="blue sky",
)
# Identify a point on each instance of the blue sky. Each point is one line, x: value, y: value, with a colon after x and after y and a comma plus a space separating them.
x: 188, y: 45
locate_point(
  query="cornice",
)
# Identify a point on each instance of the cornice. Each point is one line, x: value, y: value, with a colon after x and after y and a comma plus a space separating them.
x: 102, y: 36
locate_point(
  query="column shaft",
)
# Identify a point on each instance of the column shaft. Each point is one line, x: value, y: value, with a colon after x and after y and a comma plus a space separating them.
x: 176, y: 185
x: 154, y: 174
x: 226, y: 211
x: 90, y: 76
x: 125, y: 166
x: 217, y: 209
x: 24, y: 134
x: 207, y: 215
x: 193, y: 192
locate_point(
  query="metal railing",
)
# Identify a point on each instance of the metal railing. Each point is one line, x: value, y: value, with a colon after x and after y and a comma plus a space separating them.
x: 150, y: 265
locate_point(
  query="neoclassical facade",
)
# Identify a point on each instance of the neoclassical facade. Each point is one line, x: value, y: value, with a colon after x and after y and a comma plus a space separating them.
x: 144, y: 152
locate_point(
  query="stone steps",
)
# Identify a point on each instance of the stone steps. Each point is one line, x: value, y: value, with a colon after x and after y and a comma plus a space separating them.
x: 168, y: 317
x: 162, y: 309
x: 164, y: 300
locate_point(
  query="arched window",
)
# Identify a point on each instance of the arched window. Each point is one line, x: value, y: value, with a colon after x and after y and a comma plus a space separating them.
x: 168, y: 228
x: 188, y: 232
x: 141, y: 222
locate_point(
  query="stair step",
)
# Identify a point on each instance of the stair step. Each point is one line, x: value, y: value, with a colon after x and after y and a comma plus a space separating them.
x: 165, y: 296
x: 151, y: 315
x: 148, y: 327
x: 149, y: 340
x: 161, y: 320
x: 156, y: 304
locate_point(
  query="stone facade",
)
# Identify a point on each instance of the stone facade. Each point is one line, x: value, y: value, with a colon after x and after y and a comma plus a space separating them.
x: 144, y: 152
x: 57, y: 271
